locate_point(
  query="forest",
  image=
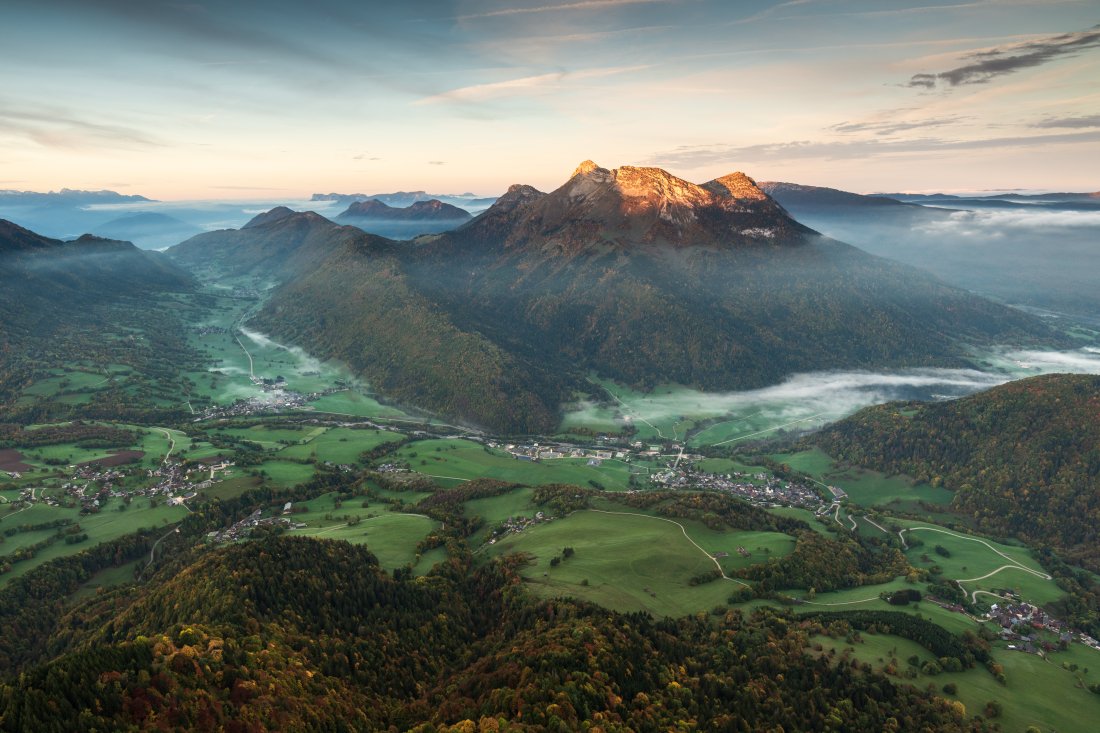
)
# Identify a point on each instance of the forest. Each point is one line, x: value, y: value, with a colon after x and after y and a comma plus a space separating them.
x: 211, y: 643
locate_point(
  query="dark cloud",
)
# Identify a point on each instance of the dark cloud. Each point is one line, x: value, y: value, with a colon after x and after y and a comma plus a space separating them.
x: 698, y: 156
x: 989, y: 64
x: 928, y: 81
x: 1083, y: 122
x: 889, y: 128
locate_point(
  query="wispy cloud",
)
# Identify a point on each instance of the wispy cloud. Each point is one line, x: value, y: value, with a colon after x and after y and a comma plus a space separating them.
x: 58, y: 128
x: 560, y: 7
x: 890, y: 128
x: 1082, y: 122
x: 523, y: 85
x: 697, y: 156
x: 988, y: 64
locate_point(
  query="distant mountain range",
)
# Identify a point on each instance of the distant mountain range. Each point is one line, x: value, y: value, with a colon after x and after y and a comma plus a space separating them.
x: 68, y: 197
x: 404, y: 199
x: 1037, y: 250
x: 631, y: 274
x: 431, y: 216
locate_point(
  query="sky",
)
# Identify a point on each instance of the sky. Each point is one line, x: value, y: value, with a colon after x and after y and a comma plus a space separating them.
x: 204, y: 99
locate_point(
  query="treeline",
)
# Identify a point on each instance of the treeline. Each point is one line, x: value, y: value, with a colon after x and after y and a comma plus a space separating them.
x: 338, y: 645
x: 967, y: 649
x: 1023, y: 459
x: 826, y: 564
x: 83, y: 434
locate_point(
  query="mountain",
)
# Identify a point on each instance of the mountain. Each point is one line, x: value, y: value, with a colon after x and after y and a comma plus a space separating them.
x: 298, y: 634
x: 69, y: 197
x: 631, y: 274
x: 792, y: 195
x: 72, y: 302
x: 403, y: 199
x: 431, y: 210
x: 422, y: 217
x: 1023, y: 458
x: 148, y: 230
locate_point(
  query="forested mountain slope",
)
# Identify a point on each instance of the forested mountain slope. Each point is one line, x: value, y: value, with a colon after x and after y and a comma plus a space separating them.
x: 1022, y: 458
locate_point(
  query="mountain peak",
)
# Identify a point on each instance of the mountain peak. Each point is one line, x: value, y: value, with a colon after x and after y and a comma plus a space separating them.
x: 736, y: 185
x: 277, y: 214
x: 587, y: 167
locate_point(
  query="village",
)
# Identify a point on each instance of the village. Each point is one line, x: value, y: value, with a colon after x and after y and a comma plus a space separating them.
x: 91, y: 485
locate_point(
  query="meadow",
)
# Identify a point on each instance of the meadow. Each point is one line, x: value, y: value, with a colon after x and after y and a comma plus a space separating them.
x: 1037, y: 691
x: 453, y: 461
x: 634, y: 561
x: 391, y: 536
x: 863, y: 486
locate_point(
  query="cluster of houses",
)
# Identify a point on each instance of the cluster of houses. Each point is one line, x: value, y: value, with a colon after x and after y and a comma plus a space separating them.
x: 759, y: 488
x: 513, y: 525
x: 244, y: 527
x: 1020, y: 623
x: 551, y: 451
x: 91, y: 485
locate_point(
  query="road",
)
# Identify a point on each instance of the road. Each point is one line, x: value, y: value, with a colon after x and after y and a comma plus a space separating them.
x: 171, y: 445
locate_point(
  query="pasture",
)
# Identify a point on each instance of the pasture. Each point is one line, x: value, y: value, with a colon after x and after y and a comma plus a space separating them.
x: 1036, y: 691
x: 631, y: 562
x: 452, y: 461
x: 391, y: 536
x: 863, y: 486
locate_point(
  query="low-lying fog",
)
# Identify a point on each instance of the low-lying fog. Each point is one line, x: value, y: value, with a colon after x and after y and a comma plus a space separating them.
x: 814, y: 399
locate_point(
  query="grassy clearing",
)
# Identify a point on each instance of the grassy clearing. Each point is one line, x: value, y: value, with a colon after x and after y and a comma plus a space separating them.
x: 457, y: 460
x: 285, y: 473
x: 391, y: 536
x: 107, y: 525
x: 339, y: 445
x: 634, y: 562
x: 630, y: 563
x: 869, y: 488
x: 1037, y: 692
x: 971, y: 557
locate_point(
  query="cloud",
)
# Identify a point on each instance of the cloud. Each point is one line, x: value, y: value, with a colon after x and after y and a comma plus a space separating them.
x: 991, y: 63
x: 889, y: 128
x: 437, y: 162
x: 54, y: 127
x: 986, y: 226
x: 579, y: 5
x: 1082, y: 122
x: 523, y: 85
x: 364, y: 156
x: 697, y: 156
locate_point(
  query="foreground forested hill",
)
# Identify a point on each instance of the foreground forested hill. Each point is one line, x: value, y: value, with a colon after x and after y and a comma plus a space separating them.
x: 308, y: 635
x: 1022, y: 458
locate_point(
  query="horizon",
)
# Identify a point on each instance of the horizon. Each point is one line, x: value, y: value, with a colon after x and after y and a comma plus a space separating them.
x: 272, y: 101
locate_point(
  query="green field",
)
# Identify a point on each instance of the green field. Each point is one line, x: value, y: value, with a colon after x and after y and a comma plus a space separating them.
x: 285, y: 473
x: 107, y: 525
x: 339, y: 445
x: 1036, y: 691
x: 869, y: 488
x: 390, y: 536
x: 454, y: 461
x: 634, y: 562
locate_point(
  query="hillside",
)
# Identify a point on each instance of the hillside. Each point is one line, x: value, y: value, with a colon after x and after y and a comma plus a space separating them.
x: 1023, y: 458
x: 93, y: 301
x: 148, y: 230
x: 633, y: 274
x: 337, y: 644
